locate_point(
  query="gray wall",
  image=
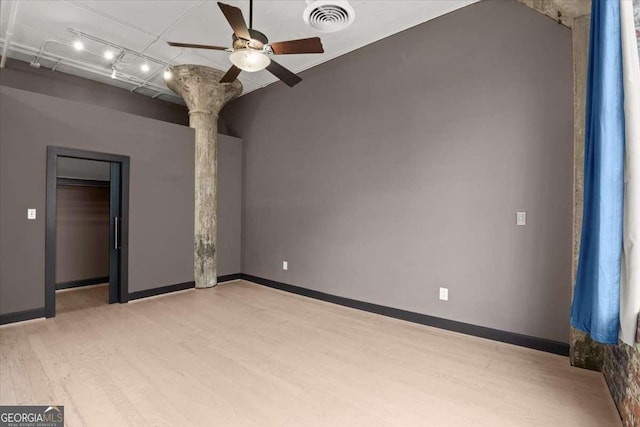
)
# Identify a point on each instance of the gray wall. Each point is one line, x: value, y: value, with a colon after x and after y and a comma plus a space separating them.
x: 82, y: 234
x: 398, y: 168
x: 161, y: 189
x: 20, y: 75
x: 160, y: 152
x: 83, y: 216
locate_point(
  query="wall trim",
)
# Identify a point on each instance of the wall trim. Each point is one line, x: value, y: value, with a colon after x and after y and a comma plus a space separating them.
x: 229, y: 277
x: 82, y: 282
x: 161, y: 290
x: 177, y: 287
x: 35, y: 313
x: 527, y: 341
x: 535, y: 343
x: 19, y: 316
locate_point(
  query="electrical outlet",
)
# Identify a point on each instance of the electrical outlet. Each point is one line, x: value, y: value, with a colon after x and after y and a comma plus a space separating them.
x: 521, y: 218
x: 285, y: 265
x: 444, y: 294
x: 31, y: 214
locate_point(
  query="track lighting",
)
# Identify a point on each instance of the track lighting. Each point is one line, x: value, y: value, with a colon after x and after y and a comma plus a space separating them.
x: 113, y: 64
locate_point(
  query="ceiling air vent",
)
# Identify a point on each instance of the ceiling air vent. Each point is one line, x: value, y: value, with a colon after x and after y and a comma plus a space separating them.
x: 329, y: 16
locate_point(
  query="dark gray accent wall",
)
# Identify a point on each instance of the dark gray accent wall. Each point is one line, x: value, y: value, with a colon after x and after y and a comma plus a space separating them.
x: 161, y: 189
x: 398, y: 168
x: 20, y: 75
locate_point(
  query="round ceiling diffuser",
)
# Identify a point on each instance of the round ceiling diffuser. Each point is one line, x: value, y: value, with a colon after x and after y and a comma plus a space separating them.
x: 329, y: 16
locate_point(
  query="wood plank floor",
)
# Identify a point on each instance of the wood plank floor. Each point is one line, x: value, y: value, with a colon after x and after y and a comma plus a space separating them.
x: 68, y: 300
x: 245, y: 355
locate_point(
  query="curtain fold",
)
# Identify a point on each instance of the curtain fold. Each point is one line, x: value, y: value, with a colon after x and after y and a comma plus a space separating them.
x: 596, y: 300
x: 630, y: 273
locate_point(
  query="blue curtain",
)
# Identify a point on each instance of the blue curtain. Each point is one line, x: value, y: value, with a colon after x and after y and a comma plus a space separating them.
x: 596, y: 300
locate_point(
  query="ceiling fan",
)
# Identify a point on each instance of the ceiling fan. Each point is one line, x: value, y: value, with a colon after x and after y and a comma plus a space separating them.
x: 251, y: 50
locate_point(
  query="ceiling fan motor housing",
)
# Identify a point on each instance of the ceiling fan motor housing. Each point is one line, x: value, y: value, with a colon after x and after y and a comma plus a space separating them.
x: 329, y: 16
x: 255, y: 35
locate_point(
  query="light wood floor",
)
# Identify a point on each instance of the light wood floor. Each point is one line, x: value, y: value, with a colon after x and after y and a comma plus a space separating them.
x: 68, y: 300
x: 245, y: 355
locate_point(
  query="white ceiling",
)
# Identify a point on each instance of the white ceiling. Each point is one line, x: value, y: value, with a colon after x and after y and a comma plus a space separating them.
x: 145, y: 26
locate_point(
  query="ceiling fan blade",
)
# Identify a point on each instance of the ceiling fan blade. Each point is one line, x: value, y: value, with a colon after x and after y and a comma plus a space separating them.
x: 196, y: 46
x: 236, y: 20
x: 231, y: 75
x: 283, y: 74
x: 311, y: 45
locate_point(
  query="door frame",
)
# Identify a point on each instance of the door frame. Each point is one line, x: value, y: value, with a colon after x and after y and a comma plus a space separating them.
x: 53, y: 152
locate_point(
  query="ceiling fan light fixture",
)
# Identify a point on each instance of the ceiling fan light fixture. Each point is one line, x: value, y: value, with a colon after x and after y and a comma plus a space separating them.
x: 251, y: 50
x: 250, y: 60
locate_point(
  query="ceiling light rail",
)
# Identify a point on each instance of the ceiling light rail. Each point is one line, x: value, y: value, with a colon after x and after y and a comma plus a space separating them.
x: 58, y: 62
x: 79, y: 65
x: 110, y: 49
x: 114, y: 67
x: 108, y: 44
x: 43, y: 46
x: 166, y: 73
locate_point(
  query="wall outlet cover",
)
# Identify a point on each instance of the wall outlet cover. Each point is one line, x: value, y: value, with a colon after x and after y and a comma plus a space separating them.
x: 31, y: 214
x: 521, y: 218
x: 444, y: 294
x: 285, y: 265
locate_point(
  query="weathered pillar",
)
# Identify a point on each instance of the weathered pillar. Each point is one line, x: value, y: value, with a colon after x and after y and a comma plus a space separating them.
x: 200, y: 88
x: 584, y: 352
x: 576, y: 14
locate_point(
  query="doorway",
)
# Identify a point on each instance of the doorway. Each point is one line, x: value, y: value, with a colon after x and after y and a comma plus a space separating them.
x: 104, y: 177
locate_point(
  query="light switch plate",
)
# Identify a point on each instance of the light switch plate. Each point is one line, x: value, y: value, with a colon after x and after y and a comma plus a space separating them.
x: 521, y: 218
x: 285, y: 265
x: 31, y: 214
x: 444, y: 294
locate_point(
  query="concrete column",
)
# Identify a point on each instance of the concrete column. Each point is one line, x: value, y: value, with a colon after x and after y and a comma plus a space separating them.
x: 575, y: 14
x: 584, y: 352
x: 200, y: 88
